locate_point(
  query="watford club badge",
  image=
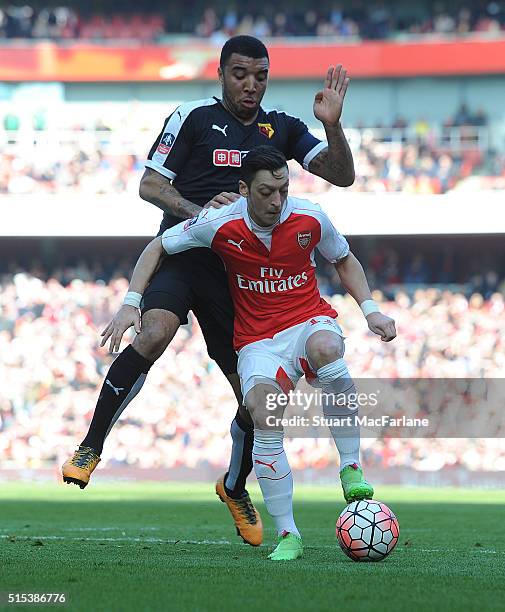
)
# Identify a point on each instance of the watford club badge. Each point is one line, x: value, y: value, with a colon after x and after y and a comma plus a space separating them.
x: 266, y: 129
x: 304, y: 239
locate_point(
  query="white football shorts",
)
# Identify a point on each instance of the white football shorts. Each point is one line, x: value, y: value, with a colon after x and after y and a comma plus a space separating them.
x: 282, y: 360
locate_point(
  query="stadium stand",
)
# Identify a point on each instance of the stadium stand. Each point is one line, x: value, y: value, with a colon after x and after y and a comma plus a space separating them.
x: 346, y: 20
x: 52, y: 371
x: 99, y: 157
x: 84, y: 90
x: 449, y: 304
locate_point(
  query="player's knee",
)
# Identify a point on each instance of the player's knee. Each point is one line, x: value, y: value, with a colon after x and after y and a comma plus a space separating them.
x: 158, y: 329
x: 323, y: 348
x: 261, y: 402
x: 255, y: 404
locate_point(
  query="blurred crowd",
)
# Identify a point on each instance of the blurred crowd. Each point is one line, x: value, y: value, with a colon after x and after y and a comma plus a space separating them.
x: 220, y: 19
x: 52, y: 369
x: 356, y: 20
x: 69, y: 169
x: 99, y: 158
x: 389, y: 269
x: 411, y: 169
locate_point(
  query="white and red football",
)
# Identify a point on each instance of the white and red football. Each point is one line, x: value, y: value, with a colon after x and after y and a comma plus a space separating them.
x: 367, y: 530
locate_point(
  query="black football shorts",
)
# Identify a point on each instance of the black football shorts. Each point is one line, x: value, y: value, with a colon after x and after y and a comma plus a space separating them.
x: 196, y: 280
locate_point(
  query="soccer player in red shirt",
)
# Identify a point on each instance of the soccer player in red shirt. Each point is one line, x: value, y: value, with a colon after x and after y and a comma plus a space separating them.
x: 283, y: 328
x: 195, y: 162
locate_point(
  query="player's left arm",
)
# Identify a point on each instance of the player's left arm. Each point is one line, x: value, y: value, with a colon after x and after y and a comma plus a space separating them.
x: 334, y: 163
x: 354, y: 281
x: 335, y: 249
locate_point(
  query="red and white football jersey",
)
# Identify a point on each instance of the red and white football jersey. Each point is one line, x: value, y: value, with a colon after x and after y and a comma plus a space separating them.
x: 271, y: 289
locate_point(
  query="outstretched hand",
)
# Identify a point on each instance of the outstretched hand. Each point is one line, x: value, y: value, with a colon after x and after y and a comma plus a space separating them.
x: 125, y: 317
x: 328, y: 103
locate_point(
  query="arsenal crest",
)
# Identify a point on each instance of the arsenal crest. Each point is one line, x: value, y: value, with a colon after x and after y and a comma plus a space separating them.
x: 266, y: 129
x: 304, y: 239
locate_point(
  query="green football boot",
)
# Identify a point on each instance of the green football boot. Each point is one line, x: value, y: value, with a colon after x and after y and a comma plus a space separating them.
x: 355, y: 487
x: 289, y: 548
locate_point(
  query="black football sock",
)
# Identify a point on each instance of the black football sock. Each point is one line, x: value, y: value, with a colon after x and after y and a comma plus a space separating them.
x: 241, y: 464
x: 123, y: 381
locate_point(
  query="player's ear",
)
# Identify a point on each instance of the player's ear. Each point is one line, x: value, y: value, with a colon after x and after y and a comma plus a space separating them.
x: 220, y: 74
x: 243, y: 189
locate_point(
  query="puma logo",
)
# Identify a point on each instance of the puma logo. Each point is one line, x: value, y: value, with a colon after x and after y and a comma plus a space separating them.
x: 237, y: 244
x: 115, y: 389
x: 270, y: 465
x: 220, y: 129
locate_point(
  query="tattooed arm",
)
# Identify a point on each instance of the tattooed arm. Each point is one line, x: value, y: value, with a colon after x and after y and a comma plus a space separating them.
x: 334, y: 164
x: 157, y: 189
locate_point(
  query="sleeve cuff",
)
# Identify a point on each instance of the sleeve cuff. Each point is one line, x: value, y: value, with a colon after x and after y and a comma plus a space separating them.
x: 345, y: 253
x: 312, y: 153
x: 164, y: 241
x: 341, y: 256
x: 160, y: 169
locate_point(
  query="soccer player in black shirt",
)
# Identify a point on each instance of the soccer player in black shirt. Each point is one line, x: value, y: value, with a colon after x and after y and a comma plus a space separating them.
x: 195, y: 162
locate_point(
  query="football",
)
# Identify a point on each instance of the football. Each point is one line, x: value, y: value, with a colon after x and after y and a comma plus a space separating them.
x: 367, y: 530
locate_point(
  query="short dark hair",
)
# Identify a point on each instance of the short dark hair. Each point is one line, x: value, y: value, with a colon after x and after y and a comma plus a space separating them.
x: 264, y: 157
x: 243, y: 45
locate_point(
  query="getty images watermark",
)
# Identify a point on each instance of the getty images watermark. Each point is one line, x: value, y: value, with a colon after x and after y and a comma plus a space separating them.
x: 401, y: 408
x: 343, y: 402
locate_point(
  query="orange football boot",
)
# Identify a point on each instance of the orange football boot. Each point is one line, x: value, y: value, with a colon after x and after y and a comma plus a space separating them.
x: 79, y: 467
x: 245, y: 516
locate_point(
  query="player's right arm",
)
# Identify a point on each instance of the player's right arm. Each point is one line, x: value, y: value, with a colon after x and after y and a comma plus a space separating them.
x: 158, y: 190
x: 196, y: 232
x: 129, y: 315
x: 167, y: 158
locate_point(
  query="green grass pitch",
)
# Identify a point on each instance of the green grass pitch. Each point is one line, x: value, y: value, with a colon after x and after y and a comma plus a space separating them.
x: 152, y: 546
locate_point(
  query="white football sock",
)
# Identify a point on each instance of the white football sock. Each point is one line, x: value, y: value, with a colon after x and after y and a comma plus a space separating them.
x: 336, y: 381
x: 275, y: 478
